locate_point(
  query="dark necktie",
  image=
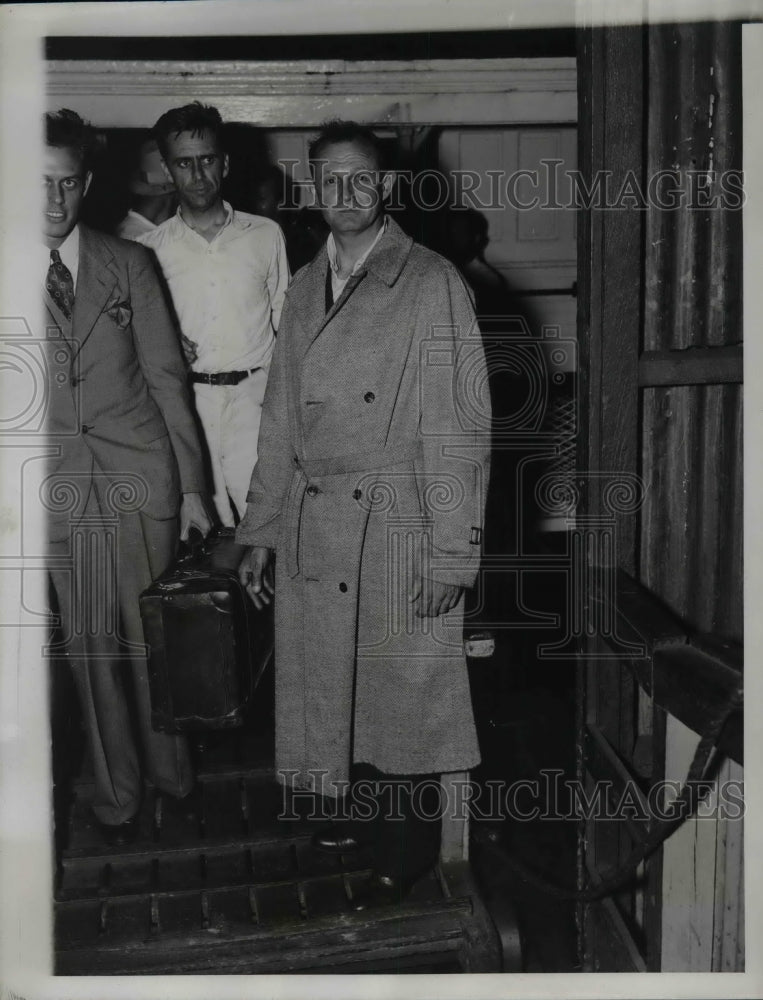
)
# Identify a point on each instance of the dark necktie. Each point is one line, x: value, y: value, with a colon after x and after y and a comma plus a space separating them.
x: 329, y: 290
x: 60, y: 284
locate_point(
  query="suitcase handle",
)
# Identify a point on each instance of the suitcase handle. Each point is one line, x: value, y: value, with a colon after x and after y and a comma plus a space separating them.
x: 195, y: 547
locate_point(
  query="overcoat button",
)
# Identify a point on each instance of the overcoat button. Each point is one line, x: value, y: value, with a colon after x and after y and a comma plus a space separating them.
x: 312, y: 491
x: 356, y: 494
x: 369, y: 397
x: 343, y: 587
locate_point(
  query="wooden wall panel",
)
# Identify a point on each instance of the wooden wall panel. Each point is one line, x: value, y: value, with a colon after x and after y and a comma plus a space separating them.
x: 691, y: 525
x: 660, y: 302
x: 533, y: 247
x: 703, y: 890
x: 693, y: 268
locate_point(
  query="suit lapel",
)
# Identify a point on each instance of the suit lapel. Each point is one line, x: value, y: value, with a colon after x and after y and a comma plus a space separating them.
x: 95, y: 282
x: 58, y: 327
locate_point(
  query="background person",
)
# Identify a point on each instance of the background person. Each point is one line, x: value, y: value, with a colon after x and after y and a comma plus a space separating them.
x: 227, y: 273
x: 152, y: 196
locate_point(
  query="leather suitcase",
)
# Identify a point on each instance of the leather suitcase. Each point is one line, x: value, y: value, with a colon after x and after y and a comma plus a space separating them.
x: 208, y: 644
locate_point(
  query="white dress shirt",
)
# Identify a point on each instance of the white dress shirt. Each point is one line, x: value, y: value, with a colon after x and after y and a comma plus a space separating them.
x: 227, y: 292
x: 337, y: 283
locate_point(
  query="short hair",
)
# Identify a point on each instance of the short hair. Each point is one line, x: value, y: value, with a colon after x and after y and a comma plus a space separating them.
x: 194, y: 118
x: 65, y: 129
x: 337, y: 130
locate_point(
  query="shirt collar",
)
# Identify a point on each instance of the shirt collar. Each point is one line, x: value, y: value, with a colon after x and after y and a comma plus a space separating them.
x: 228, y: 219
x: 69, y: 252
x: 332, y: 254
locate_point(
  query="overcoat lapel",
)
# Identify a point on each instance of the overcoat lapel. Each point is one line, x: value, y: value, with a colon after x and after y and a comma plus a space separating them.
x: 95, y: 282
x: 308, y: 294
x: 347, y: 291
x: 386, y: 261
x: 309, y: 297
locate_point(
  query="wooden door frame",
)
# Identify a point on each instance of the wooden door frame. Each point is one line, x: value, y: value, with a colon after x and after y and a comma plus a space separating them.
x: 611, y: 133
x: 301, y: 94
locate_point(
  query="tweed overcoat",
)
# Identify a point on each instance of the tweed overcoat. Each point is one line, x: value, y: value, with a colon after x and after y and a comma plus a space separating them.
x: 373, y: 455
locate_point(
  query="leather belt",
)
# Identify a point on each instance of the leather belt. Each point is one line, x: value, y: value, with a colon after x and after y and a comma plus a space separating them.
x: 222, y: 378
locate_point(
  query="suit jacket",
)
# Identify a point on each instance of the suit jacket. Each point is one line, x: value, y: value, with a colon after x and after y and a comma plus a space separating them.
x: 119, y: 409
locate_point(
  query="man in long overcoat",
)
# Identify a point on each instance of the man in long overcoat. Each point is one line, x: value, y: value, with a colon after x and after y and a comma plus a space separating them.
x: 125, y: 463
x: 370, y: 485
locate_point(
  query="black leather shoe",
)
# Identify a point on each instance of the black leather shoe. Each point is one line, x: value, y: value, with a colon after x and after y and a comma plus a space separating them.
x: 120, y: 834
x: 342, y: 838
x: 380, y: 890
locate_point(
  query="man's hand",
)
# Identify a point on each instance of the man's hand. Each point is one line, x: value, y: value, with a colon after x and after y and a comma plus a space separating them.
x: 430, y: 598
x: 193, y: 514
x: 189, y: 348
x: 255, y: 572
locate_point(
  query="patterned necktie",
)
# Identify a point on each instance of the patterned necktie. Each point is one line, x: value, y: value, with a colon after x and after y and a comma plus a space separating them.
x: 60, y: 284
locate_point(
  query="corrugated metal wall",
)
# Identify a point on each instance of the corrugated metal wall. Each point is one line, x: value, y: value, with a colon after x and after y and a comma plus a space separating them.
x: 694, y: 260
x: 691, y: 524
x: 660, y: 337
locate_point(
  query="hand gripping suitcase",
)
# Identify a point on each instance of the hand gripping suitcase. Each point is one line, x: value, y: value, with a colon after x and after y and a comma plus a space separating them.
x: 208, y: 645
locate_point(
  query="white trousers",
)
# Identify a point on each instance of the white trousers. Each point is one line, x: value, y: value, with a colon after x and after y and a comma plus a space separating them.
x: 230, y: 416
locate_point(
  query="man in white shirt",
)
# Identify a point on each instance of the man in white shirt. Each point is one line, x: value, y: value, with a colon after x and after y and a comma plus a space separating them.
x: 227, y: 274
x: 152, y: 196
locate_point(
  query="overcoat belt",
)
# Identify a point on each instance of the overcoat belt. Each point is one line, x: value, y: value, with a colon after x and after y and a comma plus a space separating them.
x: 341, y: 465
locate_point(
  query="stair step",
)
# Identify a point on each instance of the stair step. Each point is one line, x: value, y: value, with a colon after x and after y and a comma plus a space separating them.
x: 237, y: 802
x: 236, y: 890
x: 188, y: 872
x: 225, y: 930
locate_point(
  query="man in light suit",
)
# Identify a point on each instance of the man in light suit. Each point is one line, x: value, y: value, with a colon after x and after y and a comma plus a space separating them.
x: 125, y: 463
